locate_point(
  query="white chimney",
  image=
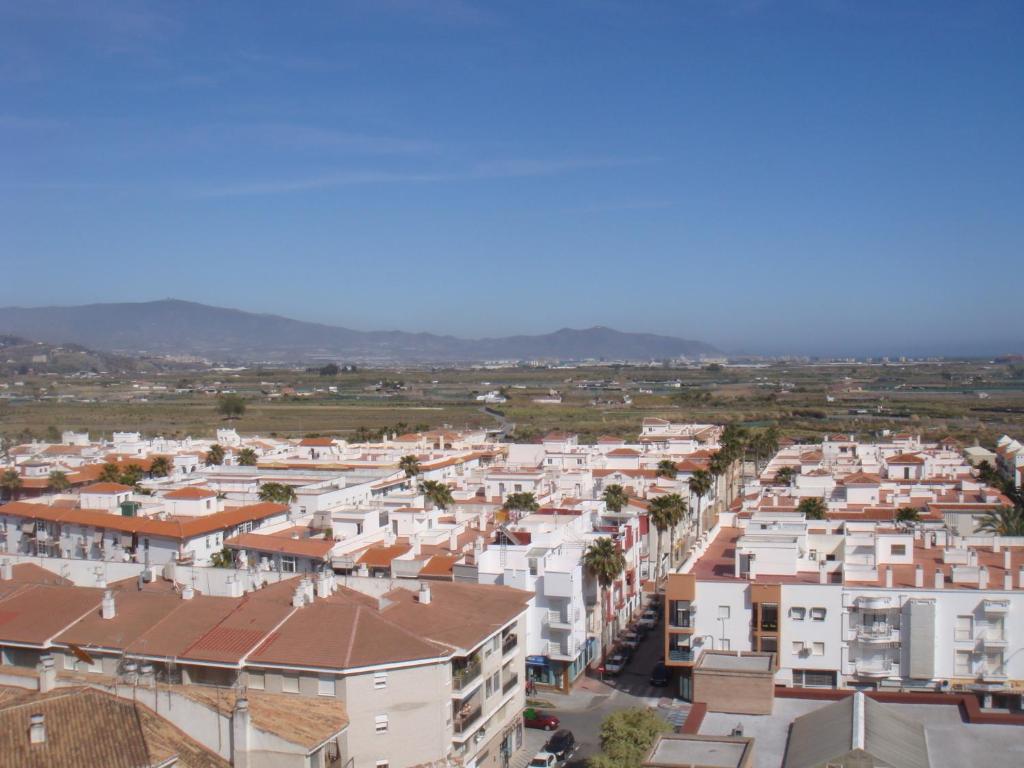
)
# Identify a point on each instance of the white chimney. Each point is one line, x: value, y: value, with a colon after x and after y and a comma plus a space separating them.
x: 453, y: 539
x: 299, y: 596
x: 918, y: 576
x: 234, y: 587
x: 415, y: 545
x: 240, y: 733
x: 1007, y: 579
x: 187, y: 592
x: 1020, y: 577
x: 108, y: 609
x: 888, y: 578
x: 995, y: 544
x: 983, y: 578
x: 424, y: 593
x: 6, y: 571
x: 1006, y: 559
x: 307, y: 586
x: 927, y: 540
x: 36, y: 729
x: 822, y: 574
x: 47, y: 674
x: 940, y: 580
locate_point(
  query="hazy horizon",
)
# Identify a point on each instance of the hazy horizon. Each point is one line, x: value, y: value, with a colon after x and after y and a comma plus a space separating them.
x: 839, y: 178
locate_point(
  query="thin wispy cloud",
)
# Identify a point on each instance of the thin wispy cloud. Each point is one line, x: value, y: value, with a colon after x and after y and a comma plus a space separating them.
x: 288, y: 135
x: 506, y: 169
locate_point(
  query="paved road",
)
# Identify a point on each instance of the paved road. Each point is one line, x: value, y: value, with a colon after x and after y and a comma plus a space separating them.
x: 582, y: 713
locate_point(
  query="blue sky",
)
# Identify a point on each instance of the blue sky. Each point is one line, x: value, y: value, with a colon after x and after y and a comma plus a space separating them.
x: 795, y: 176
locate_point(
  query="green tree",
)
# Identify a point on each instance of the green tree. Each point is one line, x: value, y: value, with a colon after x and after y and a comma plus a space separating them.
x: 247, y: 457
x: 278, y: 493
x: 1005, y: 521
x: 215, y: 456
x: 908, y: 515
x: 699, y: 485
x: 330, y: 369
x: 521, y: 502
x: 438, y: 494
x: 58, y: 482
x: 410, y: 465
x: 160, y: 466
x: 110, y: 473
x: 785, y: 475
x: 988, y: 474
x: 10, y: 481
x: 667, y: 468
x: 231, y: 406
x: 605, y: 561
x: 223, y: 559
x: 626, y: 738
x: 615, y: 497
x: 813, y: 507
x: 131, y: 475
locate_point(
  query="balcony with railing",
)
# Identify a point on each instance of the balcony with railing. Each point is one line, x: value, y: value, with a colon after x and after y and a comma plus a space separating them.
x: 878, y: 632
x: 510, y: 682
x: 467, y: 717
x: 993, y: 638
x: 996, y: 606
x: 680, y: 654
x: 873, y: 667
x: 509, y: 643
x: 465, y: 672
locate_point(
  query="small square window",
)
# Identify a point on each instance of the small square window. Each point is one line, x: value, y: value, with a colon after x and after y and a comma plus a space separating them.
x: 797, y: 614
x: 381, y: 764
x: 326, y: 686
x: 257, y: 681
x: 798, y: 646
x: 898, y: 550
x: 818, y: 614
x: 381, y: 723
x: 723, y: 611
x: 380, y: 680
x: 818, y: 649
x: 290, y: 683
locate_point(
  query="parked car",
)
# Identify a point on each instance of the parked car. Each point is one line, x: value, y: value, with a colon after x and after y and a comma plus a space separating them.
x: 562, y: 745
x: 615, y: 663
x: 660, y: 675
x: 534, y: 718
x: 630, y: 639
x: 649, y: 620
x: 544, y: 759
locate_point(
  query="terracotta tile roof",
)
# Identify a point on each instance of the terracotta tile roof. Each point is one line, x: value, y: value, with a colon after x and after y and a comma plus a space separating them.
x: 85, y: 726
x: 317, y: 442
x: 440, y: 566
x: 623, y: 452
x: 905, y: 458
x: 319, y: 549
x: 190, y: 493
x: 168, y: 529
x: 861, y: 478
x: 34, y: 613
x: 381, y: 556
x: 106, y: 488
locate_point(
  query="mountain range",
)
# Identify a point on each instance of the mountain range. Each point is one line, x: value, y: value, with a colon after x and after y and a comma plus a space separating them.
x: 175, y: 327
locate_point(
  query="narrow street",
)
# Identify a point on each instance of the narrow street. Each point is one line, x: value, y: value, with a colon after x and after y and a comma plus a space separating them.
x: 592, y: 700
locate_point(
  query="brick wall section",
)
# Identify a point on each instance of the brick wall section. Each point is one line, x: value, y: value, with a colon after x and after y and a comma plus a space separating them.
x: 734, y: 692
x: 695, y: 719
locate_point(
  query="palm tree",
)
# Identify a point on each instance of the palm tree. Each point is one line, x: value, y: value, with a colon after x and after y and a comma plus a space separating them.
x: 1005, y: 521
x: 661, y: 518
x: 764, y: 444
x: 785, y: 475
x: 667, y: 512
x: 10, y: 481
x: 215, y: 456
x: 160, y: 467
x: 699, y: 485
x: 908, y: 515
x: 987, y: 473
x: 813, y: 507
x: 110, y: 473
x: 667, y: 468
x: 279, y: 493
x: 521, y: 502
x: 410, y: 465
x: 615, y: 497
x: 606, y: 562
x: 247, y: 457
x: 58, y: 482
x: 438, y: 494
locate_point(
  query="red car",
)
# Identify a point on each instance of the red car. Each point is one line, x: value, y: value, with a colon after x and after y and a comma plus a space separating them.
x: 534, y: 718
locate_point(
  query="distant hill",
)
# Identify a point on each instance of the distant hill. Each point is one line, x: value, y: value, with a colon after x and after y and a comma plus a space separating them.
x: 173, y: 327
x: 19, y: 356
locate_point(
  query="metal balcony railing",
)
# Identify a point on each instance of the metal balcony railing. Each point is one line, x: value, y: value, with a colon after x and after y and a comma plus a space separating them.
x: 462, y: 677
x: 680, y: 654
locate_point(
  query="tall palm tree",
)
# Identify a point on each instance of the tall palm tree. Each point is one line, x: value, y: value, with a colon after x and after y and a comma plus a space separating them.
x: 667, y: 468
x: 699, y: 485
x: 667, y: 512
x: 660, y: 516
x: 606, y: 562
x: 438, y: 494
x: 58, y: 481
x: 247, y: 457
x: 215, y: 456
x: 410, y: 465
x: 160, y: 467
x: 987, y: 473
x: 813, y: 507
x: 785, y: 475
x: 1005, y: 521
x: 10, y: 481
x: 908, y: 515
x: 718, y: 467
x: 615, y: 497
